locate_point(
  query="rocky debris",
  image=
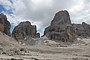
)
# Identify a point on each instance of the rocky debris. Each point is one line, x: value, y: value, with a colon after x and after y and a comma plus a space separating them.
x: 1, y: 49
x: 79, y: 58
x: 15, y: 51
x: 61, y: 28
x: 15, y: 59
x: 7, y: 42
x: 82, y: 30
x: 38, y: 35
x: 36, y: 41
x: 53, y: 51
x: 24, y: 30
x: 4, y: 24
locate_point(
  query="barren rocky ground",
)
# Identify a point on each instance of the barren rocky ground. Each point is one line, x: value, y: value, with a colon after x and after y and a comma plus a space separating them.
x: 10, y: 49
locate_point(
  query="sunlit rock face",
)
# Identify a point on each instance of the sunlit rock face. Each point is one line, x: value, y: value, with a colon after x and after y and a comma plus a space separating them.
x: 61, y: 28
x: 4, y: 24
x: 24, y: 30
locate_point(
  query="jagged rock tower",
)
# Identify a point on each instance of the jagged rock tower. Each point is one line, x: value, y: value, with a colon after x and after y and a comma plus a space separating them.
x: 4, y: 24
x: 25, y: 29
x: 61, y: 28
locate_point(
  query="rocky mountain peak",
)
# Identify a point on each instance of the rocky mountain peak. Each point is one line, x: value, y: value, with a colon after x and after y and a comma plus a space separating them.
x: 25, y: 23
x: 61, y: 28
x: 4, y: 24
x: 61, y: 17
x: 25, y: 29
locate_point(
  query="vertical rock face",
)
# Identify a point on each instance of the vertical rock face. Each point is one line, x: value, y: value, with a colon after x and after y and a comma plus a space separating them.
x: 82, y: 30
x: 61, y: 17
x: 23, y: 30
x: 61, y: 28
x: 4, y: 24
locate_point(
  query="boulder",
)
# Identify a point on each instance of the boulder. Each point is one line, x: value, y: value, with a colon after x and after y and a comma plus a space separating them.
x: 61, y: 28
x: 23, y: 30
x: 4, y: 24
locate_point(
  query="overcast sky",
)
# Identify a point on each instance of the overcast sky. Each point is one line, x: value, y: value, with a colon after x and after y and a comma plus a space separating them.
x: 41, y: 12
